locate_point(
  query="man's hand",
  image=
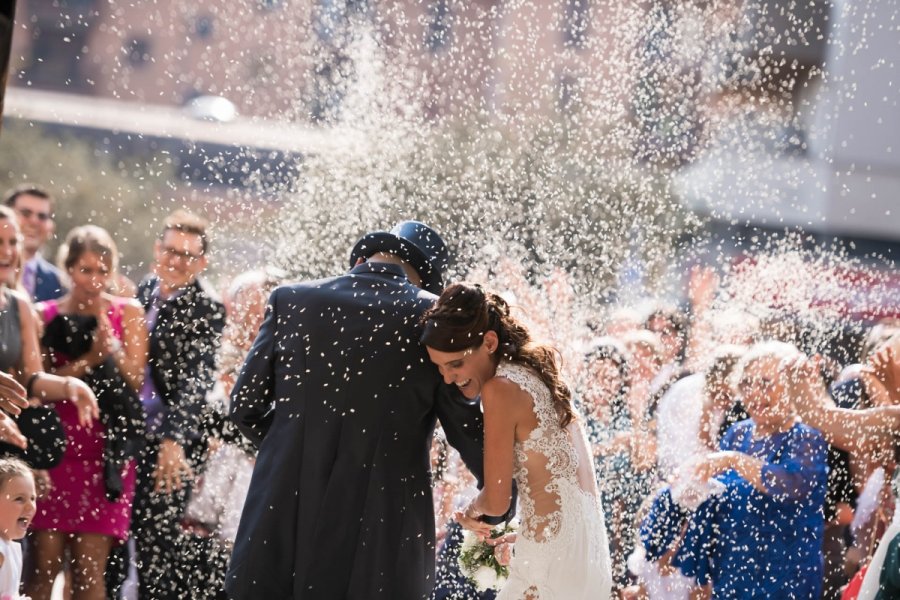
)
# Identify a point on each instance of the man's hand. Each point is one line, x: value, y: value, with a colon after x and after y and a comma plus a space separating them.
x: 469, y: 519
x: 172, y: 469
x: 12, y: 395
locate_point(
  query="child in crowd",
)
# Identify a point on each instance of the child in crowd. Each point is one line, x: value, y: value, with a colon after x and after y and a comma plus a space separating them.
x: 17, y: 507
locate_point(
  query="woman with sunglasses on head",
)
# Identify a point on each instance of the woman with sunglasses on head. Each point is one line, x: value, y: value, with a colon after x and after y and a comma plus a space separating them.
x: 531, y: 435
x: 88, y: 509
x: 762, y: 537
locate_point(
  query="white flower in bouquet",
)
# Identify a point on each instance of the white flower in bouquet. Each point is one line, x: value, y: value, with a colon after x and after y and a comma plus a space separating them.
x: 478, y: 563
x: 469, y: 541
x: 485, y: 578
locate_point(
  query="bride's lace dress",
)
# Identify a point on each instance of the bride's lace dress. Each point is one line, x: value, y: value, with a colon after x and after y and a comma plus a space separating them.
x: 561, y: 552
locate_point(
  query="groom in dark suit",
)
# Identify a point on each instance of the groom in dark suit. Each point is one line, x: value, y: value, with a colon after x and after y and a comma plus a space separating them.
x: 342, y: 401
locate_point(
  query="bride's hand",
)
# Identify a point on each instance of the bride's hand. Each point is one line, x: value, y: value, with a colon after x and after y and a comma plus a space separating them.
x: 502, y: 547
x: 503, y: 554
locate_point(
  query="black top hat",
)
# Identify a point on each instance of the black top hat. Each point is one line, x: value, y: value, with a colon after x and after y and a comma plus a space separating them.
x: 416, y: 243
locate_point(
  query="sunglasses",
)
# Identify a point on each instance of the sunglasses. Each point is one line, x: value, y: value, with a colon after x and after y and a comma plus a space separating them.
x: 27, y: 213
x: 180, y: 254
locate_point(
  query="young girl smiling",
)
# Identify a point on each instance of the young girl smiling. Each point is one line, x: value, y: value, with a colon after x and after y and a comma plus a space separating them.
x: 17, y: 506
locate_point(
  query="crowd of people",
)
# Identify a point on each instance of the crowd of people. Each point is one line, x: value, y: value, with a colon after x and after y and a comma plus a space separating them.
x: 728, y: 462
x: 117, y: 401
x: 731, y: 464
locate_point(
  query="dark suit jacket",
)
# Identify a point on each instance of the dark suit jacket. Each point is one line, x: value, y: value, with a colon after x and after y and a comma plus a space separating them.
x: 342, y: 400
x: 47, y: 281
x: 182, y: 355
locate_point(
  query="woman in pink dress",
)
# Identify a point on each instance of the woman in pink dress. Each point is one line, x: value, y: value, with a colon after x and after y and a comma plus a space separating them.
x: 76, y: 515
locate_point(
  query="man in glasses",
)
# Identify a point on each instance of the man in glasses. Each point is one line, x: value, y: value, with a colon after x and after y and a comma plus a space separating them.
x: 185, y: 322
x: 34, y: 208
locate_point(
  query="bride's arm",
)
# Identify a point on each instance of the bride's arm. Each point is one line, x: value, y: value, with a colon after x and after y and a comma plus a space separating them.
x: 501, y: 403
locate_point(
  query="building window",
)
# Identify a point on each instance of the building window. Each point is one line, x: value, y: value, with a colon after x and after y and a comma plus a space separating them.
x: 569, y: 94
x: 203, y: 26
x: 575, y: 23
x: 439, y: 25
x: 137, y: 52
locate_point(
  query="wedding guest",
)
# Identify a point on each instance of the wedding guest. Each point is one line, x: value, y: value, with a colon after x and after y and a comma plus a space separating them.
x: 34, y: 208
x: 693, y: 411
x: 608, y: 422
x: 671, y: 326
x: 17, y: 506
x: 692, y: 418
x: 88, y: 508
x: 216, y: 506
x: 762, y: 536
x: 21, y: 354
x: 185, y: 321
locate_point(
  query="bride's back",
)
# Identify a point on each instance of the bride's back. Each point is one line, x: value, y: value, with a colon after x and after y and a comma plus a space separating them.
x: 553, y: 469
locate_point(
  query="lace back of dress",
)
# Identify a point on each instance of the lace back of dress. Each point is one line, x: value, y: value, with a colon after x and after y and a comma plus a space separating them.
x: 547, y: 462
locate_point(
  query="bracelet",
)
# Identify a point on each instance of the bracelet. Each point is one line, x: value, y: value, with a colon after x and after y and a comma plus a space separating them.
x: 29, y: 387
x: 68, y: 387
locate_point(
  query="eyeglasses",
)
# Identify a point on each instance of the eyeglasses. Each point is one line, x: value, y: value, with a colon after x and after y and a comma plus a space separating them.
x: 761, y: 383
x: 181, y: 254
x: 27, y: 213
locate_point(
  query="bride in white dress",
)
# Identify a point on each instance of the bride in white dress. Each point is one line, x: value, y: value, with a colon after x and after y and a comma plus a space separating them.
x: 531, y: 435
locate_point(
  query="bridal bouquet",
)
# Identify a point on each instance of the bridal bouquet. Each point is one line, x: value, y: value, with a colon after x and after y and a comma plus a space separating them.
x: 478, y: 563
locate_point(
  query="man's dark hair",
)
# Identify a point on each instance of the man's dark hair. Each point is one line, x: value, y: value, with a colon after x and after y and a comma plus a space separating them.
x: 26, y: 189
x: 182, y: 220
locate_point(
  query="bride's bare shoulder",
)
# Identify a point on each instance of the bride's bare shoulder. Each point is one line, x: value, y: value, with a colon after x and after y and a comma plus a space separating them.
x: 503, y: 391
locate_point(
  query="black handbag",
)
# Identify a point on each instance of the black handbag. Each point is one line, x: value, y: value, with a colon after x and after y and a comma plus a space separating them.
x: 46, y: 439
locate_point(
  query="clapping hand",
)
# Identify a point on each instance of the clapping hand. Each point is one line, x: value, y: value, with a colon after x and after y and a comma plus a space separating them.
x: 9, y: 432
x: 104, y: 343
x: 808, y: 391
x: 714, y: 464
x: 12, y: 395
x: 84, y: 400
x: 882, y: 374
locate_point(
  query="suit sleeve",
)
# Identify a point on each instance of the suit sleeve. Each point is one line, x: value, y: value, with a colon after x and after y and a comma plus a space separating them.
x: 463, y: 425
x: 195, y: 372
x: 252, y: 398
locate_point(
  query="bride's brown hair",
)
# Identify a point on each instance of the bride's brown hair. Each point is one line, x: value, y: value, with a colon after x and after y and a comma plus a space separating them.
x: 465, y: 312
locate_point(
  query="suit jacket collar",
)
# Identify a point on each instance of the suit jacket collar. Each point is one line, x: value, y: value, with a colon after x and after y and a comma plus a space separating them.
x: 149, y: 289
x: 380, y: 269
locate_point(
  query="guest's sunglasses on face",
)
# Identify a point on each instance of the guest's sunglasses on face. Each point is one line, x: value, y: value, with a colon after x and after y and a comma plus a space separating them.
x: 180, y: 254
x: 27, y: 213
x: 763, y: 384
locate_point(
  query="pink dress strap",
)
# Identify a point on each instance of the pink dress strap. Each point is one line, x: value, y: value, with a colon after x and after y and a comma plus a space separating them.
x: 48, y: 309
x: 116, y: 314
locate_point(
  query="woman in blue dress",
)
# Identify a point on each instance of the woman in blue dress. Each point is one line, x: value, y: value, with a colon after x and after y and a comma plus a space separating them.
x: 762, y: 537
